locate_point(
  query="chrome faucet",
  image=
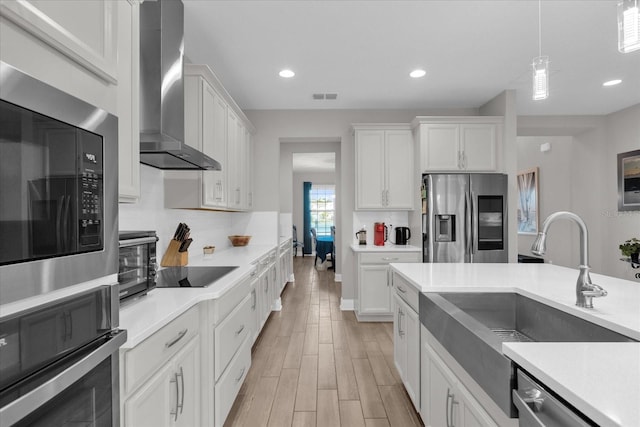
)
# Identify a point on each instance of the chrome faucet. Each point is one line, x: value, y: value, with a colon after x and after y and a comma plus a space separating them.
x: 585, y: 290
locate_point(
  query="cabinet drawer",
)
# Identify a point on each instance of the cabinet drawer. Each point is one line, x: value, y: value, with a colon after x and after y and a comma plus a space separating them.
x: 406, y: 291
x: 230, y: 333
x: 229, y: 385
x: 388, y: 257
x: 221, y: 307
x: 143, y: 360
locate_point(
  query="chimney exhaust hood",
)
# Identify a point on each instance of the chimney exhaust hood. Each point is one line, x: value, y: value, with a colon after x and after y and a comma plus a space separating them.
x: 162, y: 90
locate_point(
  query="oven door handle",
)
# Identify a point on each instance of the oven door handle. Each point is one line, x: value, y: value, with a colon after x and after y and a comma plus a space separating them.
x: 26, y: 404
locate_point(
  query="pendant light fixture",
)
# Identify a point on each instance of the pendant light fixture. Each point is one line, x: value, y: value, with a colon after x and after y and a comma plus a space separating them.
x: 540, y: 66
x: 628, y: 25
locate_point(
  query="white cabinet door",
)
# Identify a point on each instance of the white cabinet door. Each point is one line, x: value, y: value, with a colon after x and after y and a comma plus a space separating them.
x: 439, y: 147
x: 399, y: 177
x: 128, y: 101
x: 375, y: 296
x: 444, y: 405
x: 152, y: 405
x: 248, y: 174
x: 370, y: 164
x: 214, y: 145
x: 233, y: 150
x: 399, y: 337
x: 478, y: 146
x: 406, y: 347
x: 187, y: 375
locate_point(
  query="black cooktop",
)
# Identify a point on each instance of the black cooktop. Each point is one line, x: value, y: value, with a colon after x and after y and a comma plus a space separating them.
x: 190, y: 277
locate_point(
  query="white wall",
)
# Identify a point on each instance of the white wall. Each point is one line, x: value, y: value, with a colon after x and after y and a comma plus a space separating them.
x: 207, y: 227
x: 273, y: 125
x: 596, y: 142
x: 555, y: 192
x: 623, y: 134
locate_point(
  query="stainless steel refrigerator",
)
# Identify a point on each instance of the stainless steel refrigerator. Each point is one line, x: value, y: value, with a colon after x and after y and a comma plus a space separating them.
x: 464, y: 218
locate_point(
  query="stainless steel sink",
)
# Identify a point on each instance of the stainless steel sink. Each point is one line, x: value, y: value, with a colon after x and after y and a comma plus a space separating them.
x: 472, y: 327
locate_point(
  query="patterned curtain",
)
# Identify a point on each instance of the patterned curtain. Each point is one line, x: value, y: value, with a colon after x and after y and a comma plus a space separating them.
x: 306, y: 217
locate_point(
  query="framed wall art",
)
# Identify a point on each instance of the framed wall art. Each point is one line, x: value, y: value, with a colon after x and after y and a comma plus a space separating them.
x: 527, y: 182
x: 629, y: 181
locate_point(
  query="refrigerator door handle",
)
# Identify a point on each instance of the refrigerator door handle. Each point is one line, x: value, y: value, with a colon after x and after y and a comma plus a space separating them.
x: 468, y: 212
x: 474, y: 226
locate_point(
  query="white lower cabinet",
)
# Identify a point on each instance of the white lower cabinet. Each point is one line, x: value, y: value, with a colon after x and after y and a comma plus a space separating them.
x: 373, y: 297
x: 406, y: 338
x: 166, y: 366
x: 228, y: 386
x: 446, y: 402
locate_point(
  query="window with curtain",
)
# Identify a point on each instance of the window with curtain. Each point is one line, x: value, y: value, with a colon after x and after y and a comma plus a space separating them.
x: 322, y: 208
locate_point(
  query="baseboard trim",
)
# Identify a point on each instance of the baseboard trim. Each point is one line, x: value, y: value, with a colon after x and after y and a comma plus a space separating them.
x: 346, y: 304
x: 338, y: 278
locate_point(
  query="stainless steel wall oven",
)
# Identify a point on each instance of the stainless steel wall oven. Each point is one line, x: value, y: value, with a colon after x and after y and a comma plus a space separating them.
x: 58, y: 188
x: 60, y: 362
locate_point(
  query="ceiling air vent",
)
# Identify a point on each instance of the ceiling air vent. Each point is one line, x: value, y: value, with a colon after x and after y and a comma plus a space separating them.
x: 321, y: 96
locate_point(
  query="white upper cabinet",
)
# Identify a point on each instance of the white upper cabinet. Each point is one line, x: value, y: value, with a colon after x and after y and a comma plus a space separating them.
x: 459, y: 143
x: 384, y: 167
x: 128, y: 101
x: 70, y: 45
x: 214, y: 125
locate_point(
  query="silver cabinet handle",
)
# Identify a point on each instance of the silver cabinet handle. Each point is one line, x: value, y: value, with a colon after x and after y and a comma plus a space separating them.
x: 400, y: 315
x: 181, y: 335
x: 255, y: 299
x: 446, y: 405
x: 239, y: 331
x: 399, y: 331
x: 241, y: 374
x: 181, y: 375
x: 390, y: 258
x: 449, y: 407
x: 175, y: 413
x: 401, y: 289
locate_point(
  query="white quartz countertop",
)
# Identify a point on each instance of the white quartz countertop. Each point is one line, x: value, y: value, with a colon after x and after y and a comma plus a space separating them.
x: 143, y: 316
x: 388, y: 247
x: 546, y: 283
x: 600, y: 379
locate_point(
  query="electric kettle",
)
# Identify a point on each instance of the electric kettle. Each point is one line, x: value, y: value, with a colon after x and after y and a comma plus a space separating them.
x: 403, y: 234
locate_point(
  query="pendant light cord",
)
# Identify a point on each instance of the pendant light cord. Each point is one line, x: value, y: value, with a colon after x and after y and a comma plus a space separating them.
x: 539, y: 28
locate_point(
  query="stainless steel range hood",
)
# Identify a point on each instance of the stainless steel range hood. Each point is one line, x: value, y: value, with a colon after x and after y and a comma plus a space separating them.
x: 162, y: 90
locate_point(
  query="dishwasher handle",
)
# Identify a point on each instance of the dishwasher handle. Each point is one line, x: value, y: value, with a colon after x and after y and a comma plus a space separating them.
x: 537, y: 407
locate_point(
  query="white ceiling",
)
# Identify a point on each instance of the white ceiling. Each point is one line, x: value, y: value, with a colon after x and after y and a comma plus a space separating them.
x: 364, y: 50
x: 314, y: 162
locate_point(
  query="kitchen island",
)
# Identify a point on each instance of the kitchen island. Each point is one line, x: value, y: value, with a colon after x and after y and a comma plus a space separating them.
x: 601, y: 380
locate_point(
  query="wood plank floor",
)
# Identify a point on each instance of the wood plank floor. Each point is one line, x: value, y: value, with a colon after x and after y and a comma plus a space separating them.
x: 315, y: 365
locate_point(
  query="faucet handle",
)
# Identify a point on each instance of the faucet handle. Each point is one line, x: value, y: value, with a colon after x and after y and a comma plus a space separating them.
x: 592, y: 290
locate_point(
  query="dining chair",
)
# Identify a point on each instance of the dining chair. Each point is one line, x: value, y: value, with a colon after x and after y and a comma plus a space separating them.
x: 297, y: 244
x: 314, y: 239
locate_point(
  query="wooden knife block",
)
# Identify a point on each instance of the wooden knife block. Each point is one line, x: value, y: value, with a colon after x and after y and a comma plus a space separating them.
x: 173, y: 258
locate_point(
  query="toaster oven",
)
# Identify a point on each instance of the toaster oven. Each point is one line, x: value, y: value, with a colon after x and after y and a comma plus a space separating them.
x: 137, y: 263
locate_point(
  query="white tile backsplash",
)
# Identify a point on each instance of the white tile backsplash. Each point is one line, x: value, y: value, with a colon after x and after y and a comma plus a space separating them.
x: 207, y: 227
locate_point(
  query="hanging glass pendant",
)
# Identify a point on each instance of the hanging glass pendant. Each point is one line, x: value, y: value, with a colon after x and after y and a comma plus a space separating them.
x: 628, y: 26
x: 540, y: 78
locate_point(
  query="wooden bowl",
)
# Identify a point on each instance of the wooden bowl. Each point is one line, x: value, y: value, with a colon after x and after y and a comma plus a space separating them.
x: 239, y: 240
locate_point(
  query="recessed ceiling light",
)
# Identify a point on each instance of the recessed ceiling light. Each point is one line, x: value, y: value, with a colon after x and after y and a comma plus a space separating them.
x: 416, y: 74
x: 612, y: 82
x: 287, y: 74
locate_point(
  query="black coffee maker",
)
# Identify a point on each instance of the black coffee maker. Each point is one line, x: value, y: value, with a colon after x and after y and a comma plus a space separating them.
x: 403, y: 234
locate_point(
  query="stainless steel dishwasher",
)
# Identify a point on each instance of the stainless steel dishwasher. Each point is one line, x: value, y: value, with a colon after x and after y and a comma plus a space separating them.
x: 537, y: 407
